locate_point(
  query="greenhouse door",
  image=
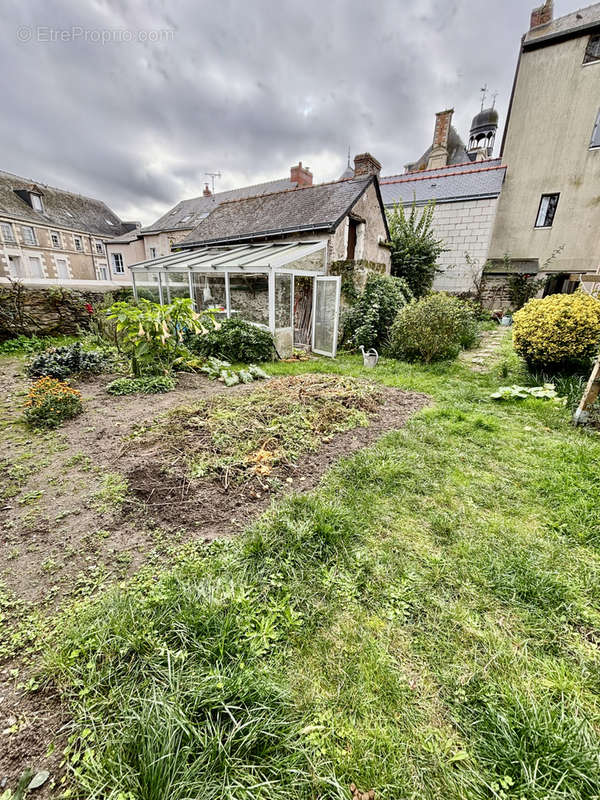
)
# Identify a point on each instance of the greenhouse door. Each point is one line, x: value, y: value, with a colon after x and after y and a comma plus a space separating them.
x: 326, y: 313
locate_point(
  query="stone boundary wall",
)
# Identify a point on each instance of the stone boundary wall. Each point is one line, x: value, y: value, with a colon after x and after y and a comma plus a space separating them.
x: 49, y: 311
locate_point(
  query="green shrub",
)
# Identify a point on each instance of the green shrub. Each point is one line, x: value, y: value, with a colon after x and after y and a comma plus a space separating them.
x: 369, y: 320
x: 559, y: 333
x: 234, y: 340
x: 60, y: 362
x: 150, y: 384
x: 415, y: 248
x: 51, y: 402
x: 433, y: 329
x: 152, y: 334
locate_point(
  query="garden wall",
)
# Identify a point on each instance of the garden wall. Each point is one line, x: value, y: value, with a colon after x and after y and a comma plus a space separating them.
x: 49, y: 311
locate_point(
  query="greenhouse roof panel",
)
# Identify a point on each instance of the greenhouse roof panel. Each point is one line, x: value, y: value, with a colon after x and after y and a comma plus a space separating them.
x: 252, y: 256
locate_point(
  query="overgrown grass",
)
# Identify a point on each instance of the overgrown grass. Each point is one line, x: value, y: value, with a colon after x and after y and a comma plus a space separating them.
x: 426, y: 623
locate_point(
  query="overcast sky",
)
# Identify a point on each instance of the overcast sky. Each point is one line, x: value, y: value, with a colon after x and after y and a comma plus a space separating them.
x: 242, y: 87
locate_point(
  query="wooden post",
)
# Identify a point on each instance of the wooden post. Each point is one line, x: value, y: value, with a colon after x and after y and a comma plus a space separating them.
x: 589, y: 395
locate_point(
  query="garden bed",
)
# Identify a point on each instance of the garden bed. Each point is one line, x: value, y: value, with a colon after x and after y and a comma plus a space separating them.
x: 87, y: 504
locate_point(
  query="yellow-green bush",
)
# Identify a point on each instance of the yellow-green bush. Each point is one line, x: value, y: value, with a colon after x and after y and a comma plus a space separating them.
x: 559, y: 333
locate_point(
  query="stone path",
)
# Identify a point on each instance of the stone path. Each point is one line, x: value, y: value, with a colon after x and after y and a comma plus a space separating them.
x: 487, y: 354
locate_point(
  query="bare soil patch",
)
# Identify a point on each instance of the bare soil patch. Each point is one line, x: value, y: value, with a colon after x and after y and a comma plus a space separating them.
x: 65, y: 533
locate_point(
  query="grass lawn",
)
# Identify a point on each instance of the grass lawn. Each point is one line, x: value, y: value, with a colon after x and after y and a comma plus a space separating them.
x: 426, y: 623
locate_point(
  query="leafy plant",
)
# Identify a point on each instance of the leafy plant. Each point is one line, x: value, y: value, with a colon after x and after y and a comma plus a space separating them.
x: 153, y: 335
x: 234, y: 340
x: 50, y: 402
x: 216, y: 369
x: 60, y: 362
x: 415, y: 248
x: 22, y: 344
x: 559, y: 333
x: 516, y: 392
x: 433, y: 328
x: 149, y: 384
x: 369, y: 320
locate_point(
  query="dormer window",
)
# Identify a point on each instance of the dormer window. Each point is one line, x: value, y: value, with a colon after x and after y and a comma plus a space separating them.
x: 36, y: 202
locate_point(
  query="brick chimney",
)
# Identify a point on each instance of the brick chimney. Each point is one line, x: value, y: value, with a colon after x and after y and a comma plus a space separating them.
x: 438, y: 156
x: 542, y: 15
x: 207, y: 192
x: 366, y: 164
x: 300, y: 175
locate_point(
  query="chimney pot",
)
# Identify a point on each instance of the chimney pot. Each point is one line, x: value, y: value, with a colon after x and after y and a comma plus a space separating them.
x: 366, y: 164
x: 207, y: 192
x: 542, y: 15
x: 301, y: 176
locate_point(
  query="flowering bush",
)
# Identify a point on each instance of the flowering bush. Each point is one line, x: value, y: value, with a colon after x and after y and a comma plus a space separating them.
x: 51, y: 402
x: 153, y: 335
x: 559, y: 333
x: 433, y: 328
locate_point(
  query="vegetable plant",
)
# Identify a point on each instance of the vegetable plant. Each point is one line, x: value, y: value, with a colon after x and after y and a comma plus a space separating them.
x: 60, y: 362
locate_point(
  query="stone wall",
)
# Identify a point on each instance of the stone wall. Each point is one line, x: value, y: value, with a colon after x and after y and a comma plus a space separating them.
x: 47, y: 312
x: 464, y: 227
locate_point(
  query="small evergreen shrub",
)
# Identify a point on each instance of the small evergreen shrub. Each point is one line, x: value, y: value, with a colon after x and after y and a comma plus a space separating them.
x: 235, y: 340
x: 433, y: 328
x: 60, y: 362
x: 50, y: 402
x: 150, y: 384
x: 414, y: 247
x: 559, y: 333
x: 369, y: 320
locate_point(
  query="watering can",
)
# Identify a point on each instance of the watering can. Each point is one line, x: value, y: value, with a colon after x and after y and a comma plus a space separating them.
x: 370, y: 357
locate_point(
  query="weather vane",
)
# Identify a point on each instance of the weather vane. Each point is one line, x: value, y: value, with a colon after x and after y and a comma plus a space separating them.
x: 483, y: 91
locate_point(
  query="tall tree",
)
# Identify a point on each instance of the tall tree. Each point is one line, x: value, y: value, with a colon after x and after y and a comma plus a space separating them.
x: 415, y: 248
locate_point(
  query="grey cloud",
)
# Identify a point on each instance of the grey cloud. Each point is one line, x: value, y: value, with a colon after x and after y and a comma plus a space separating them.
x: 244, y: 88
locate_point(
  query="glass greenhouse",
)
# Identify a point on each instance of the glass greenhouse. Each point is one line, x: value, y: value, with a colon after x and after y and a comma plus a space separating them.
x: 281, y: 286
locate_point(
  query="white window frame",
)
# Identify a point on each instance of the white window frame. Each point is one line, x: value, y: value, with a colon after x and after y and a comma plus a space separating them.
x: 41, y: 264
x: 153, y: 252
x: 65, y: 261
x: 10, y: 238
x: 117, y: 268
x: 15, y: 273
x: 79, y: 239
x: 543, y: 210
x: 58, y: 239
x: 99, y: 248
x: 33, y: 239
x: 36, y: 202
x: 102, y: 273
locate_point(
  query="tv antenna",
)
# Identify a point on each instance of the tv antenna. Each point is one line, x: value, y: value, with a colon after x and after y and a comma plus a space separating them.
x: 212, y: 176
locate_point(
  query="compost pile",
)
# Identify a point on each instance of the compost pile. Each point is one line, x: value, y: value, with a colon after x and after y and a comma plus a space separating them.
x: 249, y: 436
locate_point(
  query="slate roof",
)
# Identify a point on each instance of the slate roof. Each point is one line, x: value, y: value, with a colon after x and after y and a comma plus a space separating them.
x: 318, y: 207
x: 474, y: 180
x: 62, y: 209
x: 576, y: 23
x: 187, y: 214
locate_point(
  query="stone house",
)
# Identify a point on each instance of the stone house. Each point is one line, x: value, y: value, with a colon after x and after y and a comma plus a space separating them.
x: 276, y: 260
x: 50, y: 235
x: 157, y: 239
x: 465, y: 183
x: 548, y: 214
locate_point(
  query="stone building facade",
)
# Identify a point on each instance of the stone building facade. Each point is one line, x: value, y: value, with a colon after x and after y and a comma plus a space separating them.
x: 549, y: 211
x: 51, y: 235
